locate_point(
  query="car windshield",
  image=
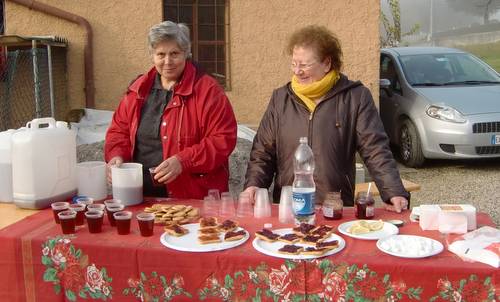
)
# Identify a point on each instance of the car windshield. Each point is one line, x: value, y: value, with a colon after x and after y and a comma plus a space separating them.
x: 447, y: 69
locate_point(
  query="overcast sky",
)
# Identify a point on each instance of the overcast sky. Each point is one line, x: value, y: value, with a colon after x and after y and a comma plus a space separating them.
x: 445, y: 18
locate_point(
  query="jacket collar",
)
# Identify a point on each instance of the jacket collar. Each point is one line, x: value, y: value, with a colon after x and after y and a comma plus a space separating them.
x: 342, y: 84
x: 142, y: 86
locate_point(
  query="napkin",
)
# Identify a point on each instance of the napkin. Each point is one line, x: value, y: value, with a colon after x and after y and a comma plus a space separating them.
x: 481, y: 245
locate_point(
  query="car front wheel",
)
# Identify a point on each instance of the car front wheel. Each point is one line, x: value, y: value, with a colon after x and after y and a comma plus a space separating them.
x: 410, y: 149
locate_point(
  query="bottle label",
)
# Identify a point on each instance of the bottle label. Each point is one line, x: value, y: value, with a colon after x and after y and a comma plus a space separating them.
x: 370, y: 211
x: 327, y: 211
x: 303, y: 203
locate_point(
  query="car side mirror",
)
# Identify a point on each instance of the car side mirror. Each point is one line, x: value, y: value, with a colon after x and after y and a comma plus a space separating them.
x: 385, y: 85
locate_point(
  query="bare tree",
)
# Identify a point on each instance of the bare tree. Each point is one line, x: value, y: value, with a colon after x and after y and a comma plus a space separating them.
x: 392, y: 30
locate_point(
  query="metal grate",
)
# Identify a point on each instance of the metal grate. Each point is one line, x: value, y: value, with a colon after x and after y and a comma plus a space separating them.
x: 484, y: 150
x: 487, y: 127
x: 19, y: 86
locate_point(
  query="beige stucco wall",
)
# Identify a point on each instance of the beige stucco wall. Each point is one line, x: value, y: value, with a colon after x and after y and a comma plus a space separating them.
x: 258, y: 32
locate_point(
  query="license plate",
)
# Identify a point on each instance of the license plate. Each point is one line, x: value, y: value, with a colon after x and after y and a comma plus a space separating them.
x: 495, y: 139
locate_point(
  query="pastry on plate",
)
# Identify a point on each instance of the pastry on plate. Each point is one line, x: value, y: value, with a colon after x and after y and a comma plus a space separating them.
x: 234, y: 235
x: 314, y: 251
x: 290, y: 249
x: 228, y: 225
x: 211, y: 238
x: 267, y: 235
x: 290, y: 238
x: 175, y: 230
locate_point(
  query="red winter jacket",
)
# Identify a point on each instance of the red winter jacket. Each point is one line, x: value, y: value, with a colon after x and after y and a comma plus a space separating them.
x: 198, y: 127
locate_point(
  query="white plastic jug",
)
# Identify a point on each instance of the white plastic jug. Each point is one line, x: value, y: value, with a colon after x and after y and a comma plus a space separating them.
x: 91, y: 179
x: 6, y: 166
x: 127, y: 183
x: 43, y: 163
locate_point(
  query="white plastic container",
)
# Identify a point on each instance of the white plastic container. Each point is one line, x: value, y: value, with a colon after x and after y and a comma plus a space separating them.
x: 43, y: 164
x: 6, y: 166
x: 91, y: 179
x: 127, y: 183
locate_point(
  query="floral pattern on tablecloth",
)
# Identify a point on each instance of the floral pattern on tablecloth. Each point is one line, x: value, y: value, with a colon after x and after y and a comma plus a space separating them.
x: 68, y: 269
x: 471, y: 289
x: 316, y: 280
x: 155, y: 288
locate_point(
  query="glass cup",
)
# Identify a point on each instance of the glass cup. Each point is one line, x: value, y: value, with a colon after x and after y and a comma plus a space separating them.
x: 210, y: 206
x: 214, y: 193
x: 146, y: 223
x: 79, y: 208
x: 96, y: 206
x: 227, y: 205
x: 94, y: 220
x: 262, y: 207
x: 112, y: 201
x: 153, y: 180
x: 122, y: 220
x: 67, y: 219
x: 85, y: 200
x: 58, y: 207
x: 245, y: 208
x: 111, y: 209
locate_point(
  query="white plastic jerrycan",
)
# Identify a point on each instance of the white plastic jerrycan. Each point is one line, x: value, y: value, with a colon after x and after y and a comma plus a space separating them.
x: 6, y: 166
x: 43, y: 164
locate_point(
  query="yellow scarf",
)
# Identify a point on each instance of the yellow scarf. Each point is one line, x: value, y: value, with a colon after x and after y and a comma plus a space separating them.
x: 315, y: 90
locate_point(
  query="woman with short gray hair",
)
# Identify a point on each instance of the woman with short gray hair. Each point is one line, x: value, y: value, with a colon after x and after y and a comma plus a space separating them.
x: 176, y: 120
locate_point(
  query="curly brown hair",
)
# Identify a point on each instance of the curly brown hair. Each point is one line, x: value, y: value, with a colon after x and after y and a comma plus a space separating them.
x: 321, y: 40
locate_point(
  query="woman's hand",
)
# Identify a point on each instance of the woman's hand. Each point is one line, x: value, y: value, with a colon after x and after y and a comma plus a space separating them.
x: 251, y: 192
x: 115, y: 161
x: 168, y: 170
x: 399, y: 203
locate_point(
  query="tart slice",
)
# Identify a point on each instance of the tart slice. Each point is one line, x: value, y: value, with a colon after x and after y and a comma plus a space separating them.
x: 211, y: 238
x: 176, y: 230
x: 314, y: 251
x: 208, y: 222
x: 228, y: 225
x: 290, y: 249
x: 303, y: 229
x: 322, y: 230
x: 312, y: 239
x: 328, y: 244
x: 267, y: 235
x: 290, y: 238
x: 234, y: 235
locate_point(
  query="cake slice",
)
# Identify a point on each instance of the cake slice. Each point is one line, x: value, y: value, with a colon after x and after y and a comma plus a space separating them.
x: 314, y: 251
x: 303, y: 229
x: 328, y: 244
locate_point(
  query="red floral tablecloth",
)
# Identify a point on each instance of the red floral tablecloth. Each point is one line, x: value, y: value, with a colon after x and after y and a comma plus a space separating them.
x: 38, y: 263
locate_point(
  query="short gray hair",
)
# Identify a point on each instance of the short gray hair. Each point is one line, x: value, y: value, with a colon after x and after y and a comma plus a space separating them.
x: 170, y: 31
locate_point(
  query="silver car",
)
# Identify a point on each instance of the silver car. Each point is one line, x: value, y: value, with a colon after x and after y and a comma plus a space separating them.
x: 439, y: 103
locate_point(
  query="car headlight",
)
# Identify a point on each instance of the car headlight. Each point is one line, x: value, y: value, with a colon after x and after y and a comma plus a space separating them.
x: 445, y: 113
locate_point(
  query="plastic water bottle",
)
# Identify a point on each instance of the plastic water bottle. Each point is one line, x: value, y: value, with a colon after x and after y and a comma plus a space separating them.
x: 303, y: 188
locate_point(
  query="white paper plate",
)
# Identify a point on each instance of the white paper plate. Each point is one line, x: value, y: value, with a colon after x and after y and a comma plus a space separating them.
x: 388, y: 230
x: 189, y: 242
x: 271, y: 248
x: 436, y: 247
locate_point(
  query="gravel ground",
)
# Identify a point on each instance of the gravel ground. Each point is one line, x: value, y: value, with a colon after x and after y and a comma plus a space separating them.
x: 445, y: 181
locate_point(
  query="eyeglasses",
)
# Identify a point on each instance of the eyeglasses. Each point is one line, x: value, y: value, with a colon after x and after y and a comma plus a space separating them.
x: 301, y: 67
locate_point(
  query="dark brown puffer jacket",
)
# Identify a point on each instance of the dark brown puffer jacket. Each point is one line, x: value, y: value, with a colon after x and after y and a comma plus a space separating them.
x: 346, y: 121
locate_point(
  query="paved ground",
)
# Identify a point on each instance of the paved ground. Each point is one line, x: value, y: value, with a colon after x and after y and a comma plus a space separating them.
x: 445, y: 181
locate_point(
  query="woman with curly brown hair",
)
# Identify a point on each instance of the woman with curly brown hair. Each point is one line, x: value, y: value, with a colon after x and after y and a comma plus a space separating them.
x: 337, y: 116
